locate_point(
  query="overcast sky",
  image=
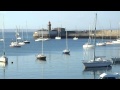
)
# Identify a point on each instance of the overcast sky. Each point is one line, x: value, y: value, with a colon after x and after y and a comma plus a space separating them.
x: 67, y: 19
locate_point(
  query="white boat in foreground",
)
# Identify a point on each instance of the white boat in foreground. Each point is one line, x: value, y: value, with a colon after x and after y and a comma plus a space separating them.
x: 109, y: 76
x: 98, y: 62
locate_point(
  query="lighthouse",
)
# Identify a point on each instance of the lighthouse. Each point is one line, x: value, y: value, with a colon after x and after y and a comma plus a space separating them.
x: 49, y: 25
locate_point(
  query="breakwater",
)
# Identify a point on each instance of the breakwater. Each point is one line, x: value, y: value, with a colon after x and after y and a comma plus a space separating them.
x: 113, y: 34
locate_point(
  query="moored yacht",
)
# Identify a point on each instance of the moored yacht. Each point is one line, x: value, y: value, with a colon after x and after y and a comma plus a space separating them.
x: 97, y: 61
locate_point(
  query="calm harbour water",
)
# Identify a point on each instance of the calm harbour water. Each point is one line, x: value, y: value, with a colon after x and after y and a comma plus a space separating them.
x: 57, y: 66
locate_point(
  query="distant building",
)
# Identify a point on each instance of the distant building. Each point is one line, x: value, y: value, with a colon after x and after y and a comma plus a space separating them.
x: 50, y: 32
x: 59, y: 29
x: 49, y: 25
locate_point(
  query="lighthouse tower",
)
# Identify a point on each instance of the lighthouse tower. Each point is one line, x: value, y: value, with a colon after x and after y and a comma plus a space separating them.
x: 49, y: 25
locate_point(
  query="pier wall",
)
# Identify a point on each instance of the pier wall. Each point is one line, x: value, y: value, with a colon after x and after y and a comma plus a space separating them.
x: 113, y: 34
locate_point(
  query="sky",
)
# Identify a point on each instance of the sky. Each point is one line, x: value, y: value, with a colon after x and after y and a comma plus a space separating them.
x: 70, y: 20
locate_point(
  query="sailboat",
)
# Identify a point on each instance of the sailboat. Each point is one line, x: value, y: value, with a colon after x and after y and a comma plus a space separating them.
x: 41, y: 56
x: 117, y: 41
x: 26, y: 41
x: 15, y: 43
x: 3, y: 58
x: 58, y: 37
x: 97, y: 61
x: 42, y: 38
x: 21, y: 40
x: 66, y: 51
x: 101, y: 43
x: 75, y: 38
x: 1, y: 39
x: 18, y: 34
x: 88, y: 44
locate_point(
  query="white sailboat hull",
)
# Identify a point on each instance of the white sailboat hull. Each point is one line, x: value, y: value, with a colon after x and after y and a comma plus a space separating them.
x: 116, y: 42
x: 3, y: 64
x: 75, y: 38
x: 66, y: 51
x: 1, y: 39
x: 101, y: 44
x: 109, y: 42
x: 41, y: 56
x: 3, y: 59
x: 18, y: 37
x: 26, y: 41
x: 42, y: 39
x: 97, y: 61
x: 92, y: 63
x: 88, y: 46
x: 21, y: 43
x: 57, y: 37
x: 15, y: 44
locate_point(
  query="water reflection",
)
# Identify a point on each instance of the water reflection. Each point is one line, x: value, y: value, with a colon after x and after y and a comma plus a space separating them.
x: 3, y: 66
x: 96, y: 71
x: 88, y: 49
x: 41, y: 61
x: 42, y: 66
x: 66, y: 56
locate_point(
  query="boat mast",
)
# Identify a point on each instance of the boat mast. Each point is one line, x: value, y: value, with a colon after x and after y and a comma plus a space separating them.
x: 66, y: 41
x: 95, y: 35
x: 110, y: 31
x: 89, y: 40
x: 22, y: 35
x: 26, y: 30
x: 17, y: 34
x: 42, y: 41
x: 58, y: 31
x: 3, y: 37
